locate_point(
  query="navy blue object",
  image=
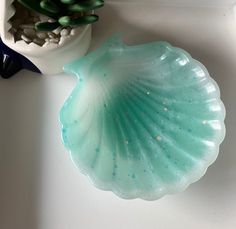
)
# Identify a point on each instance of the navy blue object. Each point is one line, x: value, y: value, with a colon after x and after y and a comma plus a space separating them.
x: 12, y: 62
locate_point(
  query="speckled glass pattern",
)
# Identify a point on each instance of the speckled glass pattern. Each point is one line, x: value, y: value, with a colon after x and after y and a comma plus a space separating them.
x: 143, y: 121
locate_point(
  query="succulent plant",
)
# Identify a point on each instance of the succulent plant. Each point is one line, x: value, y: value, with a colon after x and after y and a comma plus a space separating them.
x: 64, y: 12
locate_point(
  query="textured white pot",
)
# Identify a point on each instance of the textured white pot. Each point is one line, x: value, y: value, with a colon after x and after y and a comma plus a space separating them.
x: 49, y: 59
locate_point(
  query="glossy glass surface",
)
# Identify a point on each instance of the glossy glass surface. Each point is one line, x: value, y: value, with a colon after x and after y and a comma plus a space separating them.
x: 143, y: 121
x: 12, y: 62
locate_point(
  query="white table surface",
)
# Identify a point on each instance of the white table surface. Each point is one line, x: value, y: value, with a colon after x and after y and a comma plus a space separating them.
x: 39, y: 186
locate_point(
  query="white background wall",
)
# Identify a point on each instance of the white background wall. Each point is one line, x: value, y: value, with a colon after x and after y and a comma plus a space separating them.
x: 182, y: 2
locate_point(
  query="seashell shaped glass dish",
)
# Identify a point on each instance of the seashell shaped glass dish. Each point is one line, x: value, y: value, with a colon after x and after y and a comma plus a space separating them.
x: 143, y: 121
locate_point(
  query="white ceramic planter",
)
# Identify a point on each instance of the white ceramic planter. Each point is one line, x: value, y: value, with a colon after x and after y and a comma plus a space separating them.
x: 49, y: 59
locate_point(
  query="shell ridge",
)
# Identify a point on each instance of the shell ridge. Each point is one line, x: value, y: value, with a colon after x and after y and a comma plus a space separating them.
x: 97, y: 154
x: 147, y: 115
x: 141, y: 151
x: 144, y: 127
x: 155, y: 100
x: 129, y: 160
x: 127, y: 136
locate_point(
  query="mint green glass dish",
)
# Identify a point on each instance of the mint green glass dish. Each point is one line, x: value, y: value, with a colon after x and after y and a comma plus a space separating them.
x: 143, y: 121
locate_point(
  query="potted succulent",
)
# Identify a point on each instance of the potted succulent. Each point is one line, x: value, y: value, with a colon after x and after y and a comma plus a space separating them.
x: 49, y: 33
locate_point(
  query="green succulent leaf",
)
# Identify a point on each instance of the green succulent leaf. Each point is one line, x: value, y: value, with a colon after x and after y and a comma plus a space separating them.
x: 86, y: 6
x: 50, y: 6
x: 34, y: 5
x: 64, y: 12
x: 68, y: 21
x: 46, y: 26
x: 68, y: 1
